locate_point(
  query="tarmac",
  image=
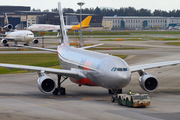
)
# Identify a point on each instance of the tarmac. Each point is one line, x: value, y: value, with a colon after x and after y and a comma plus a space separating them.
x: 21, y: 99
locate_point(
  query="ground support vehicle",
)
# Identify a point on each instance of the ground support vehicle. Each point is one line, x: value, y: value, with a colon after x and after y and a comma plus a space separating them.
x: 134, y: 100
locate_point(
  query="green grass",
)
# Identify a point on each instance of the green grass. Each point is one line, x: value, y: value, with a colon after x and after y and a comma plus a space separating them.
x: 113, y: 48
x: 174, y: 43
x: 121, y: 56
x: 42, y: 60
x: 87, y: 33
x: 123, y: 40
x: 108, y: 40
x: 155, y: 32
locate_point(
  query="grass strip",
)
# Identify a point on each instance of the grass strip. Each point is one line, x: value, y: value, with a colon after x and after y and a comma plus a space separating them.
x: 41, y: 60
x: 174, y: 43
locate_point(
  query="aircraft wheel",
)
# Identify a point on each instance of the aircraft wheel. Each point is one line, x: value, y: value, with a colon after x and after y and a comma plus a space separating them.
x: 110, y: 91
x: 119, y: 91
x: 55, y: 92
x: 62, y: 91
x: 26, y: 44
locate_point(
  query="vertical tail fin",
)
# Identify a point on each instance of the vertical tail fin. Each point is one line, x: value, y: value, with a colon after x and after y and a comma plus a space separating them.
x: 86, y: 21
x: 6, y: 19
x: 64, y: 37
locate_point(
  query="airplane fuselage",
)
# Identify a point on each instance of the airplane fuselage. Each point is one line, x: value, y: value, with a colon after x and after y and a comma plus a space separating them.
x: 100, y: 69
x: 55, y: 28
x: 21, y: 36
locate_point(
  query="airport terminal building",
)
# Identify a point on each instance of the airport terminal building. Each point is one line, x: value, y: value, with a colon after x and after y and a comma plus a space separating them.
x: 136, y: 22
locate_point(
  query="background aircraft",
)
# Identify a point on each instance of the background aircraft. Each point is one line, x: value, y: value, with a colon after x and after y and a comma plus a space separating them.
x: 15, y: 36
x: 55, y: 28
x: 91, y: 69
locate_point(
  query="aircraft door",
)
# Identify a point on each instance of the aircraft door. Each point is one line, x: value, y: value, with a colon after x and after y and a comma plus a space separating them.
x: 103, y: 68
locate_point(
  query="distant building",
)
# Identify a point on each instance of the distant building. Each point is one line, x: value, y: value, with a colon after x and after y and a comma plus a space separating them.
x: 107, y: 25
x: 135, y: 22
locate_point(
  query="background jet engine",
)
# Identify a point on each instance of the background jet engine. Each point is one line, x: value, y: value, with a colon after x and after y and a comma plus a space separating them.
x: 4, y: 41
x: 46, y: 84
x: 8, y: 27
x: 35, y: 41
x: 148, y: 82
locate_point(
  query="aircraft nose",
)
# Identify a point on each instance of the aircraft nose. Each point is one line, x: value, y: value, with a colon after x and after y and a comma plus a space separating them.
x: 125, y: 78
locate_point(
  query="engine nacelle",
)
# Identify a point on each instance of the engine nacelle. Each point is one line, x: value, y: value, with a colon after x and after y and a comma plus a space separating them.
x: 148, y: 83
x: 4, y: 41
x: 8, y: 27
x: 46, y: 84
x: 35, y: 41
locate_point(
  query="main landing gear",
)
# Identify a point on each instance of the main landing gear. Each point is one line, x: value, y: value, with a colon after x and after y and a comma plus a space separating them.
x: 60, y: 89
x: 26, y: 44
x: 115, y: 93
x: 6, y: 45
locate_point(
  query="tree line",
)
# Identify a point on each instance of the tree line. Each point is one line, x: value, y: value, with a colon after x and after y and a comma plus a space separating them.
x: 128, y: 11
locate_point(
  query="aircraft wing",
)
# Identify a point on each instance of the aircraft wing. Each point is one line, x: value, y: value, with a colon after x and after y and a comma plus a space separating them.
x: 1, y: 34
x: 153, y: 65
x: 91, y: 46
x: 39, y: 48
x: 8, y: 38
x: 68, y: 73
x: 40, y: 37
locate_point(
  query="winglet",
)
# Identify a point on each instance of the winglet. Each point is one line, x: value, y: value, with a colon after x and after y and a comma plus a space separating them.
x: 62, y: 26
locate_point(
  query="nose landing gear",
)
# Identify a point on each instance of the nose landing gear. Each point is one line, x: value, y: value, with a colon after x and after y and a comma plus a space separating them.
x: 115, y: 93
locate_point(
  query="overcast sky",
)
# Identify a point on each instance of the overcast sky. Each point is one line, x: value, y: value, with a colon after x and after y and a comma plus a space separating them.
x: 137, y: 4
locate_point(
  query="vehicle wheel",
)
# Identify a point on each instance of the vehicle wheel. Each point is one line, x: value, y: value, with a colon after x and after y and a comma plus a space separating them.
x: 113, y: 99
x: 127, y: 102
x: 120, y: 101
x: 55, y: 92
x: 62, y: 91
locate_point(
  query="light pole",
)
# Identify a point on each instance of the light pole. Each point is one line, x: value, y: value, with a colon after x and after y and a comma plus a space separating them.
x: 80, y: 4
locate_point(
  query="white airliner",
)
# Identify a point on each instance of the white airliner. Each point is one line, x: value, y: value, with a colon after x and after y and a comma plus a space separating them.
x: 15, y: 36
x: 24, y: 36
x: 55, y: 28
x: 90, y: 69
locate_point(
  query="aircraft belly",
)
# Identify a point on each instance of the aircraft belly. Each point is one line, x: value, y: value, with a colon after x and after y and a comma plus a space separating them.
x: 84, y: 81
x: 19, y: 39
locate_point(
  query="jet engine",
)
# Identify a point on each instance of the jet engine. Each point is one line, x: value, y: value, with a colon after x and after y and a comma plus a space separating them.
x: 46, y: 84
x: 148, y: 82
x: 4, y: 41
x: 35, y: 41
x: 8, y: 27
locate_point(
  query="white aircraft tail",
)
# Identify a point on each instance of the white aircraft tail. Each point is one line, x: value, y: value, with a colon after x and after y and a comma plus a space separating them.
x: 64, y: 37
x: 6, y: 19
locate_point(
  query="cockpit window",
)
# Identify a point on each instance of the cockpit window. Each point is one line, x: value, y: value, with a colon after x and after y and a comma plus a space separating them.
x: 113, y: 69
x: 124, y: 69
x: 119, y: 69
